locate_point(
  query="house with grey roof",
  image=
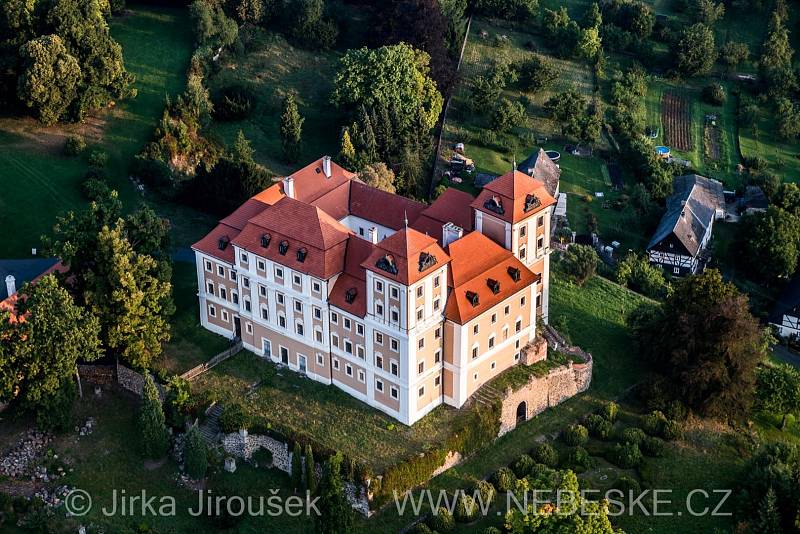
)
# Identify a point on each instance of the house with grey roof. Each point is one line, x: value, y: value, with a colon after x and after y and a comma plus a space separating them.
x: 538, y: 165
x: 680, y: 241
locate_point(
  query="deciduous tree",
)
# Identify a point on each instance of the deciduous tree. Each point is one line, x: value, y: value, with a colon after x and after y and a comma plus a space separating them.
x: 778, y: 390
x: 538, y: 74
x: 291, y: 129
x: 379, y: 176
x: 580, y: 261
x: 49, y: 80
x: 696, y: 51
x: 769, y: 243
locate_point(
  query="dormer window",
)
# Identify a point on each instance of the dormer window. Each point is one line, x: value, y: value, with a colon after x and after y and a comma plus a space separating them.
x: 387, y: 263
x: 531, y: 202
x: 495, y: 204
x: 265, y: 239
x: 494, y: 285
x: 301, y: 254
x: 350, y: 295
x: 223, y: 242
x: 472, y: 297
x: 283, y: 247
x: 426, y: 261
x: 514, y: 273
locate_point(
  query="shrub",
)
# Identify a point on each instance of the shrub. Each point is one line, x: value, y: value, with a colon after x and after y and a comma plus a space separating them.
x: 652, y: 446
x: 546, y: 454
x: 466, y: 509
x: 233, y: 103
x: 421, y: 528
x: 234, y: 418
x: 580, y: 458
x: 653, y: 423
x: 507, y: 115
x: 714, y: 94
x: 195, y: 456
x: 633, y: 435
x: 262, y: 457
x: 523, y: 466
x: 672, y: 430
x: 628, y: 485
x: 503, y: 479
x: 98, y: 158
x: 442, y: 521
x: 609, y: 411
x: 575, y: 435
x: 485, y: 490
x: 94, y: 188
x: 598, y: 426
x: 676, y: 410
x: 74, y: 145
x: 627, y: 455
x: 580, y: 261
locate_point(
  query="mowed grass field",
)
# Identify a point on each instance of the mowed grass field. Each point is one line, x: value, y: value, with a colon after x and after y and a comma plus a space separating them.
x: 38, y: 182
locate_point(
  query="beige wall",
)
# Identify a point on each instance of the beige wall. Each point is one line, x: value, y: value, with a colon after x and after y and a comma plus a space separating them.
x: 340, y: 375
x: 294, y: 347
x: 494, y: 229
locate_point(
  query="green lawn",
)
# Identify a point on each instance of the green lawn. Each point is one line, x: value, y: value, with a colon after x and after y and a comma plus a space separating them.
x: 191, y: 344
x: 272, y: 68
x: 38, y: 182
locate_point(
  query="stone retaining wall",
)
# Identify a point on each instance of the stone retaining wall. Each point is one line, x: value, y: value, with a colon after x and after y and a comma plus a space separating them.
x: 242, y: 445
x: 130, y: 380
x: 545, y: 392
x: 101, y: 375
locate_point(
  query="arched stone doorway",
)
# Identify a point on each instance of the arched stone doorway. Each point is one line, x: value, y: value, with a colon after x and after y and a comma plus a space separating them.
x: 522, y: 412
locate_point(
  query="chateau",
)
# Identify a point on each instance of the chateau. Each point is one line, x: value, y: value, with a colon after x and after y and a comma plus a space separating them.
x: 403, y: 305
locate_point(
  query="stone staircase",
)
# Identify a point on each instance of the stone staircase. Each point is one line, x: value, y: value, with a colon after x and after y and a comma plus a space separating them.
x: 488, y: 395
x: 210, y: 428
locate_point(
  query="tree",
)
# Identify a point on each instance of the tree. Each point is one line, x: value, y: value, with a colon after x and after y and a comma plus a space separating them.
x: 336, y: 514
x: 769, y: 518
x: 636, y: 272
x: 593, y: 17
x: 297, y: 467
x: 538, y: 73
x: 769, y: 243
x: 733, y: 53
x: 778, y: 390
x: 194, y: 454
x: 291, y: 129
x: 379, y: 176
x: 45, y: 348
x: 775, y: 63
x: 580, y: 261
x: 578, y: 118
x: 391, y: 76
x: 49, y: 80
x: 125, y: 293
x: 788, y: 118
x: 249, y: 11
x: 704, y: 345
x: 212, y: 27
x: 507, y: 9
x: 506, y: 115
x: 696, y: 51
x: 347, y: 152
x: 311, y: 473
x: 708, y: 12
x: 590, y: 44
x: 485, y: 92
x: 152, y: 428
x: 308, y: 25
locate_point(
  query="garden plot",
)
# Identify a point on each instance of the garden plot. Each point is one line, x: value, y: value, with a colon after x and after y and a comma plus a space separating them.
x: 677, y: 121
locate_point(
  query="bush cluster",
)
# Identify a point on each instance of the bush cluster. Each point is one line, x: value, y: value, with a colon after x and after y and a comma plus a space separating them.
x: 546, y: 454
x: 598, y: 426
x: 575, y: 435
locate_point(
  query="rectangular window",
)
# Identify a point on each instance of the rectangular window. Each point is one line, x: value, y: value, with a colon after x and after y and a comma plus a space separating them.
x: 262, y: 290
x: 421, y: 368
x: 348, y: 346
x: 223, y: 294
x: 298, y: 306
x: 208, y: 266
x: 316, y: 287
x: 245, y: 282
x: 360, y: 352
x: 278, y: 272
x: 298, y: 327
x: 336, y: 363
x: 220, y: 270
x: 317, y: 313
x: 540, y: 242
x: 267, y: 345
x: 507, y: 310
x: 394, y: 292
x: 249, y: 327
x: 359, y: 329
x: 264, y: 313
x: 378, y: 286
x: 523, y: 230
x: 494, y: 318
x: 419, y: 314
x: 212, y: 311
x: 282, y: 321
x: 335, y: 340
x: 297, y: 280
x: 379, y: 309
x: 243, y: 257
x: 522, y: 301
x: 421, y: 343
x: 436, y: 282
x: 334, y: 317
x: 379, y: 361
x: 494, y: 365
x: 395, y: 393
x: 394, y: 344
x: 518, y: 325
x: 394, y: 369
x: 235, y: 297
x: 261, y: 265
x: 437, y: 356
x: 318, y: 335
x: 232, y: 274
x: 436, y: 304
x: 475, y: 330
x: 538, y: 300
x: 210, y: 288
x: 505, y: 332
x: 247, y: 305
x: 419, y: 291
x: 437, y: 380
x: 540, y: 221
x: 522, y: 253
x: 224, y: 316
x: 474, y: 352
x: 379, y: 384
x: 279, y: 296
x: 378, y: 338
x: 437, y: 333
x: 361, y: 376
x: 347, y: 324
x: 395, y: 316
x: 491, y: 342
x: 348, y: 369
x: 422, y: 391
x: 320, y: 359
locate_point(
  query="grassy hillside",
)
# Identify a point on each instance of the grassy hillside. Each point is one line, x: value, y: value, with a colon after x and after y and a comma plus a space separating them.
x: 38, y: 182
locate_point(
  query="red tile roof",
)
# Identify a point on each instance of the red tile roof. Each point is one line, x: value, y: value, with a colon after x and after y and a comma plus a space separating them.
x: 305, y: 223
x: 310, y: 182
x: 475, y: 259
x: 381, y: 207
x: 452, y: 206
x: 210, y: 243
x: 405, y: 250
x: 353, y: 278
x: 511, y: 190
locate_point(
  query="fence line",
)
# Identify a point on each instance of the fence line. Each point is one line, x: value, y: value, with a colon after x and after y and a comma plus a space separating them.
x: 194, y: 372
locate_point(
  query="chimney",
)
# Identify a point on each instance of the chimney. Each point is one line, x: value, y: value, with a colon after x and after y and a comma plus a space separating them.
x: 326, y: 166
x: 373, y: 235
x: 288, y: 186
x: 450, y: 233
x: 11, y: 284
